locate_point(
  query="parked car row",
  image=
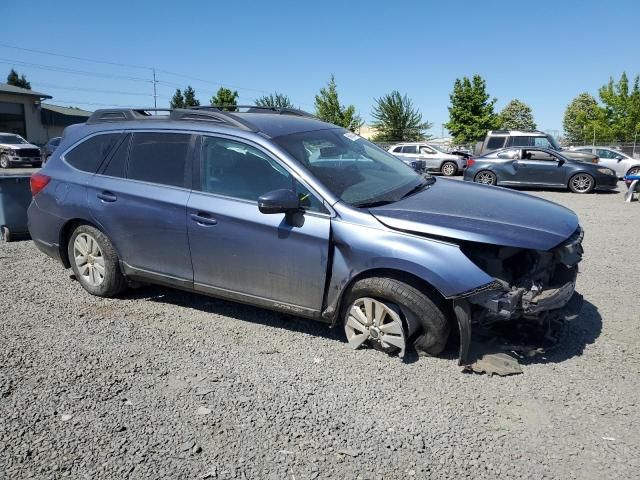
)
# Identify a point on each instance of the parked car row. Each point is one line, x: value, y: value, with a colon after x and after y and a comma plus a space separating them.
x: 293, y: 214
x: 15, y: 150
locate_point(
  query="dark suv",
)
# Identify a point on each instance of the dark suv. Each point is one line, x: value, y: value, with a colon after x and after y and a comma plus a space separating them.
x: 275, y: 208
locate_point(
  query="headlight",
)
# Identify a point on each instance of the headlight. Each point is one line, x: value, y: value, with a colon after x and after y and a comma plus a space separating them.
x: 13, y: 153
x: 606, y: 171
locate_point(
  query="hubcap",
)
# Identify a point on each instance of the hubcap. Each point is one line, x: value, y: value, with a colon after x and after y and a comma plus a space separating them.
x: 581, y: 183
x: 373, y: 320
x: 89, y: 259
x: 485, y: 178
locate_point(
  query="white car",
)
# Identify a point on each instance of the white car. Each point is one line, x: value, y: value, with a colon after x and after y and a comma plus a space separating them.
x: 619, y: 162
x: 15, y: 150
x: 435, y: 160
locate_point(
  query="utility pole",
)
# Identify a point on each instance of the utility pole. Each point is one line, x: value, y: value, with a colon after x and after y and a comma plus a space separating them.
x: 155, y: 95
x: 594, y: 135
x: 635, y: 139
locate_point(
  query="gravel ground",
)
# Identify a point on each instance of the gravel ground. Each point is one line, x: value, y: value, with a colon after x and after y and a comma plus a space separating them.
x: 165, y: 384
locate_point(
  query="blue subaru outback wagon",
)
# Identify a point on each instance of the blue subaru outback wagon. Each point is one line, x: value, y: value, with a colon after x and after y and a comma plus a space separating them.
x: 275, y: 208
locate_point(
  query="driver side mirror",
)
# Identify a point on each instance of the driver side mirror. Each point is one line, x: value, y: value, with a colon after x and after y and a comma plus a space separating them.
x: 619, y: 158
x: 560, y: 161
x: 278, y: 201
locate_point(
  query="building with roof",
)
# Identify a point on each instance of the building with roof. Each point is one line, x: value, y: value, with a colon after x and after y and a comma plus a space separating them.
x: 22, y: 112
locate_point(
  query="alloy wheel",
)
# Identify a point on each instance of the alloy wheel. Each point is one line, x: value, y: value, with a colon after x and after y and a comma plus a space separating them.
x: 486, y: 178
x: 633, y: 171
x: 373, y: 320
x: 89, y: 259
x: 582, y: 183
x: 4, y: 161
x: 449, y: 169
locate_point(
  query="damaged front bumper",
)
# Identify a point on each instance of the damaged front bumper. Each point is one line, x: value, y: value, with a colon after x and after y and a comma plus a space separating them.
x: 529, y: 286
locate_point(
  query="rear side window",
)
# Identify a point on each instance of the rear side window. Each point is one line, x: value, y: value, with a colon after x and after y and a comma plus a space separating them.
x: 159, y: 158
x: 495, y: 143
x: 88, y: 155
x: 118, y: 162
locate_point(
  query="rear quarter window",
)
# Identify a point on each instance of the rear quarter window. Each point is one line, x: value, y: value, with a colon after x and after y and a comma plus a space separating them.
x: 88, y: 155
x: 495, y: 143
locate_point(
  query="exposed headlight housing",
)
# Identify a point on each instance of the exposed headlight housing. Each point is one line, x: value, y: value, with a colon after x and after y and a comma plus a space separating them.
x: 606, y: 171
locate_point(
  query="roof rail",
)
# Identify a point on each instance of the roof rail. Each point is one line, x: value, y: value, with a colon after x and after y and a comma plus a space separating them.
x: 212, y: 115
x: 256, y: 109
x: 119, y: 114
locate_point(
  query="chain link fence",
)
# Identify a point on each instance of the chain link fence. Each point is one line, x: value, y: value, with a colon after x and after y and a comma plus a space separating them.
x: 628, y: 148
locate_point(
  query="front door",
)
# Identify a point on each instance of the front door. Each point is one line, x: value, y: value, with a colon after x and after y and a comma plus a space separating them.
x: 240, y: 253
x: 139, y: 198
x: 540, y: 167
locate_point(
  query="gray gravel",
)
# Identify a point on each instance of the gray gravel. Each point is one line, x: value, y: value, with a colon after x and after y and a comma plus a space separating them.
x: 165, y: 384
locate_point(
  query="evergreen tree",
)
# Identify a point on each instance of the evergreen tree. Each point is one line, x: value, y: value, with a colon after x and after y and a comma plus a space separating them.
x: 396, y: 120
x: 18, y: 80
x: 328, y: 108
x: 190, y: 99
x: 517, y: 115
x: 274, y: 100
x: 177, y: 101
x: 225, y: 97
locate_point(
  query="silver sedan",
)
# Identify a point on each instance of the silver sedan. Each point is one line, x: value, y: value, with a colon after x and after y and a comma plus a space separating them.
x: 616, y: 160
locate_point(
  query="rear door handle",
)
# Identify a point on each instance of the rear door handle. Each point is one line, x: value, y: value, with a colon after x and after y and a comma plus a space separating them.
x: 107, y: 197
x: 203, y: 219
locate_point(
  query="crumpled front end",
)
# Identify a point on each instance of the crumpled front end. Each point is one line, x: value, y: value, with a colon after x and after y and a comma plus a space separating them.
x: 529, y: 285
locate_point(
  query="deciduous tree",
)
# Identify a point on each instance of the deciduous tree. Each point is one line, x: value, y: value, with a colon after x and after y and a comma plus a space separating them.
x: 517, y: 115
x: 274, y: 100
x: 471, y: 112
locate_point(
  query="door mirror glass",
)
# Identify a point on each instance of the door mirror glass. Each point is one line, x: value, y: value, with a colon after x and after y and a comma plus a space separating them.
x: 619, y: 157
x: 278, y: 201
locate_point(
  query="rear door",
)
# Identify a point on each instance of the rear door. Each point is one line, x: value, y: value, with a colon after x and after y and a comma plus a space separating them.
x: 139, y: 198
x: 430, y: 157
x: 239, y: 252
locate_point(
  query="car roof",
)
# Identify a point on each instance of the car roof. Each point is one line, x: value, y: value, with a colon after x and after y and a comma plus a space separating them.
x: 516, y: 133
x: 267, y: 122
x: 539, y: 149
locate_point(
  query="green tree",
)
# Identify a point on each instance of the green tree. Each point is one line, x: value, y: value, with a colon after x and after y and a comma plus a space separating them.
x: 225, y: 97
x: 274, y: 100
x: 177, y: 101
x: 471, y: 112
x: 396, y: 119
x: 517, y: 115
x: 328, y: 108
x: 582, y: 114
x: 18, y: 80
x: 621, y: 107
x: 190, y: 99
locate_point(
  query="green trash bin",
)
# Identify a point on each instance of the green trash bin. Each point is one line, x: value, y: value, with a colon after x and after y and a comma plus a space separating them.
x: 15, y: 197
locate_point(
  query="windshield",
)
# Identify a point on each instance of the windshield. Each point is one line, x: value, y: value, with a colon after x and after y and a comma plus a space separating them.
x: 12, y: 139
x: 352, y: 168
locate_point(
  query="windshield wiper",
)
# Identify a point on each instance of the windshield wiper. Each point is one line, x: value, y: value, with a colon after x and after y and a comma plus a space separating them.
x: 427, y: 181
x: 374, y: 203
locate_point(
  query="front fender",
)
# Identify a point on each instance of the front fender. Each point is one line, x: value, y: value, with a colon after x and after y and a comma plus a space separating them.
x: 358, y: 249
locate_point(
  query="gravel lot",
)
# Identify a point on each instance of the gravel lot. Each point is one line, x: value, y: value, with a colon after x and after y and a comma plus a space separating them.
x: 165, y: 384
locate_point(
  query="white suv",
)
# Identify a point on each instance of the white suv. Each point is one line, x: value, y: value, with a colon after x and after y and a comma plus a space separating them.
x: 433, y: 159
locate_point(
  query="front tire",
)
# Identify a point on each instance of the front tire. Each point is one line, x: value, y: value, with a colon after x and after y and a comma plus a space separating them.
x: 449, y: 169
x: 95, y: 262
x: 4, y: 161
x: 582, y: 183
x: 486, y: 177
x: 633, y: 171
x: 388, y: 313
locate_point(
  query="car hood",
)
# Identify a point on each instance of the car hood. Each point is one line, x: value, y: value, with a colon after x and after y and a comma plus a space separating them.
x: 17, y: 146
x: 580, y: 156
x: 479, y: 213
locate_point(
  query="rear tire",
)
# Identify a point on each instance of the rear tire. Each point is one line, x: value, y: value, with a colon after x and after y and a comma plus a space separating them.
x: 448, y: 169
x: 95, y: 262
x: 582, y: 183
x: 418, y: 310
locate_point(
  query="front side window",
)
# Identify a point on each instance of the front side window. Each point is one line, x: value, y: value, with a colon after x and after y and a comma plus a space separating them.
x: 88, y: 155
x: 397, y: 149
x: 237, y: 170
x: 353, y: 169
x: 159, y: 158
x: 602, y: 153
x: 542, y: 142
x: 426, y: 150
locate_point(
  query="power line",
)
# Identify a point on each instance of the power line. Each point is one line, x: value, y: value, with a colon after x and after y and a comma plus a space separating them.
x: 82, y: 89
x: 75, y: 102
x: 73, y: 71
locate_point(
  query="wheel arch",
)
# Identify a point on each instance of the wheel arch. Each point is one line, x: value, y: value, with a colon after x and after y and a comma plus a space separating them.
x: 65, y: 235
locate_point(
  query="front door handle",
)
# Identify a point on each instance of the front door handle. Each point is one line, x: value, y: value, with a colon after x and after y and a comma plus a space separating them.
x: 203, y: 219
x: 107, y: 196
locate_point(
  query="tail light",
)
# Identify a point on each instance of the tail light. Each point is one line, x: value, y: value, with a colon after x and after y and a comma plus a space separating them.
x: 470, y: 161
x: 38, y: 182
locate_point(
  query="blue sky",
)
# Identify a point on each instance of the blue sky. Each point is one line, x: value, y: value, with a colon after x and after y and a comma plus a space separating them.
x: 543, y: 52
